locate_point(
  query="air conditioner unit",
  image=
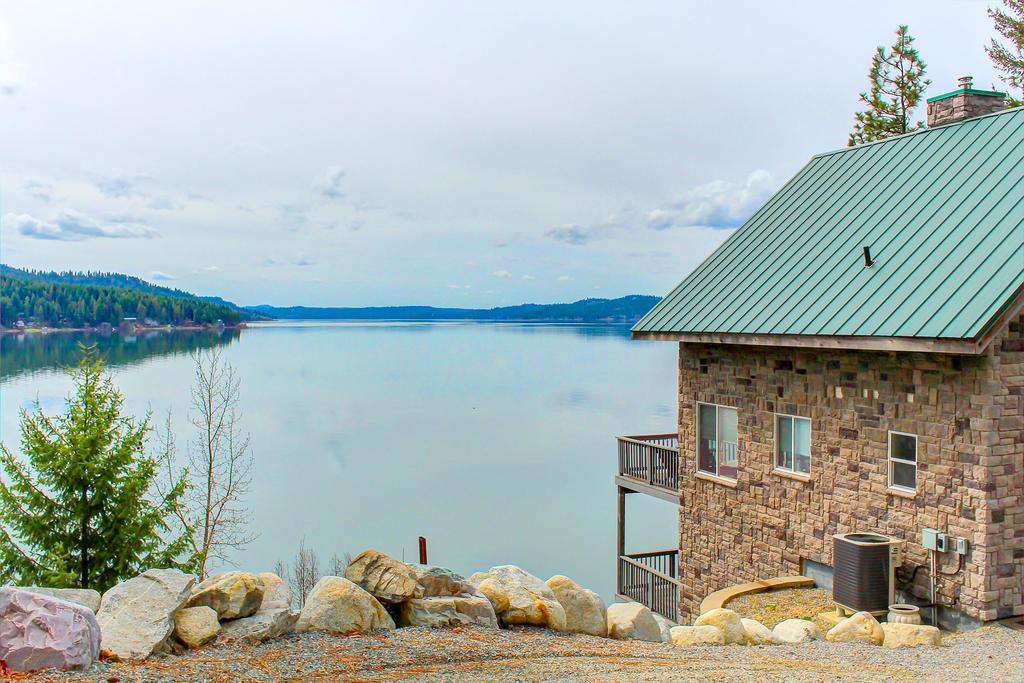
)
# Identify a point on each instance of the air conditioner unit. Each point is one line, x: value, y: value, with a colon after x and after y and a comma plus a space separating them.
x: 864, y: 571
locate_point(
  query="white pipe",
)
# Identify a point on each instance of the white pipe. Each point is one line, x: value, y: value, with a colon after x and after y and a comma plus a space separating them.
x: 933, y: 584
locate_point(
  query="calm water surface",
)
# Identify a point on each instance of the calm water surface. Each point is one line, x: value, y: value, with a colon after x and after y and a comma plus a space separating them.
x: 495, y: 441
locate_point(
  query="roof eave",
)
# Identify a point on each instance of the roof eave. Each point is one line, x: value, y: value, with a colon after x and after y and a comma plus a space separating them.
x: 965, y: 347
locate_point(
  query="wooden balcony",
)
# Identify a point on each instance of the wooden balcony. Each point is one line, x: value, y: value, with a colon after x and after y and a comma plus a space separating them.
x: 650, y: 464
x: 650, y: 579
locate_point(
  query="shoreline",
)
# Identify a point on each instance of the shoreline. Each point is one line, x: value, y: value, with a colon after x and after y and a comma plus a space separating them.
x: 116, y: 331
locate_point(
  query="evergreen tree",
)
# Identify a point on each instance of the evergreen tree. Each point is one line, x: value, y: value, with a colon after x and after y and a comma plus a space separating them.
x: 81, y: 510
x: 897, y: 84
x: 1009, y: 58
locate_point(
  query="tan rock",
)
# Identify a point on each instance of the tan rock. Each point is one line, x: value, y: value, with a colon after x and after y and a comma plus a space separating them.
x: 697, y: 635
x: 230, y: 594
x: 911, y: 635
x: 519, y: 597
x: 455, y: 610
x: 756, y: 633
x: 86, y: 597
x: 665, y: 625
x: 383, y: 577
x: 276, y: 593
x: 585, y: 611
x: 862, y: 627
x: 726, y: 620
x: 196, y: 626
x: 339, y: 606
x: 796, y: 631
x: 632, y: 621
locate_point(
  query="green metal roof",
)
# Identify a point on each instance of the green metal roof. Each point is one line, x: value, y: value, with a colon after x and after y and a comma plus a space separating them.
x: 966, y: 91
x: 941, y: 209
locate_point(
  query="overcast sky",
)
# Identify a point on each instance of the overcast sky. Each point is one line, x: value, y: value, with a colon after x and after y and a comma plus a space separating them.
x: 473, y: 153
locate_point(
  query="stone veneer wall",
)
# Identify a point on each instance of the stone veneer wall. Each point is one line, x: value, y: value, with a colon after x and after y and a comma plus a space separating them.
x: 967, y: 413
x: 962, y: 106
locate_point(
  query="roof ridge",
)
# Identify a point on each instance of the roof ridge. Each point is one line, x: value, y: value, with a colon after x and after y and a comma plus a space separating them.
x: 920, y: 131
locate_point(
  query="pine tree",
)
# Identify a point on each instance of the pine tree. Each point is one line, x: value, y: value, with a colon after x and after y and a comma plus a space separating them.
x: 1009, y: 58
x: 897, y: 84
x: 80, y: 509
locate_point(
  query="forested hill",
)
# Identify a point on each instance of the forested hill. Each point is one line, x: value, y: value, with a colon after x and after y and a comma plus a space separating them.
x: 71, y: 300
x: 625, y: 309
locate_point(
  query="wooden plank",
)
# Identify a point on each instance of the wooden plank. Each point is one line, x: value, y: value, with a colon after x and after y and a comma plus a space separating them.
x: 721, y: 597
x: 635, y: 486
x: 645, y: 568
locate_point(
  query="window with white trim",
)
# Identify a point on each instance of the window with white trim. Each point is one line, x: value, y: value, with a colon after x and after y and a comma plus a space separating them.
x: 717, y: 441
x: 793, y: 444
x: 903, y: 461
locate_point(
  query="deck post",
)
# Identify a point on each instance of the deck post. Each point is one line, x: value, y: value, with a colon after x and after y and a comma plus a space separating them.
x: 620, y: 538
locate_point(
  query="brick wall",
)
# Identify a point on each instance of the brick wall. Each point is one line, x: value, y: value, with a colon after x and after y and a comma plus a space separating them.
x: 968, y: 413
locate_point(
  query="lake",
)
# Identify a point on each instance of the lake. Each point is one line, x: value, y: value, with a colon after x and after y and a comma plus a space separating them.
x: 494, y: 441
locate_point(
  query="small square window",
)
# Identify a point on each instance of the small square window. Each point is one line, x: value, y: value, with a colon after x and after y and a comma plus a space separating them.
x: 793, y: 444
x: 903, y: 461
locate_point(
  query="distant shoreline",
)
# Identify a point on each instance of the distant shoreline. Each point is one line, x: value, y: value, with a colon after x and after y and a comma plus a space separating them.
x: 114, y: 330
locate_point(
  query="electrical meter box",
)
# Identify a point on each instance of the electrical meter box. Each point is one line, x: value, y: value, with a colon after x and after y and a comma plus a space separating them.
x: 933, y: 539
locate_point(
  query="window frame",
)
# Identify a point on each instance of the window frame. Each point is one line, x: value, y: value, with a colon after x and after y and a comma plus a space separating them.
x: 775, y: 454
x: 718, y: 427
x: 890, y: 460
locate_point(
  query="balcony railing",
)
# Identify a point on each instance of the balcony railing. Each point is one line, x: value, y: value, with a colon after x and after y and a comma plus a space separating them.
x: 650, y: 579
x: 652, y: 460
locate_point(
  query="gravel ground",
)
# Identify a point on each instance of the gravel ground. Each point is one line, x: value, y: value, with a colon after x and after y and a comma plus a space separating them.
x: 771, y: 607
x: 476, y: 654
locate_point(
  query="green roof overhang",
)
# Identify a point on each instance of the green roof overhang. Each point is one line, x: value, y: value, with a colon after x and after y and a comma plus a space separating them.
x: 967, y: 91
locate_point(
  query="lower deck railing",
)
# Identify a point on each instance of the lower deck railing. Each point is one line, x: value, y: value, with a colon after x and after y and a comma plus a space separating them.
x: 650, y: 579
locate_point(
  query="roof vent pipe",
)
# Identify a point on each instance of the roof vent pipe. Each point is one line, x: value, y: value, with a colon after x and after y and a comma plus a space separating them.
x: 868, y: 261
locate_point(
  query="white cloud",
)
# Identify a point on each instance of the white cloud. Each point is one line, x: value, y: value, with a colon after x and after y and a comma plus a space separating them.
x: 158, y: 275
x: 501, y: 274
x: 72, y: 226
x: 40, y: 190
x: 460, y: 286
x: 212, y: 269
x: 718, y: 204
x: 329, y: 185
x: 563, y: 278
x: 122, y: 186
x: 528, y: 277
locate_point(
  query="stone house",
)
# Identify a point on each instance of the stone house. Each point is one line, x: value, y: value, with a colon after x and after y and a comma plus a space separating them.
x: 852, y: 359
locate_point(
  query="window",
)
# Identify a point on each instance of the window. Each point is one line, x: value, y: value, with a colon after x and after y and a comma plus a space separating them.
x: 903, y: 461
x: 793, y: 444
x: 716, y: 440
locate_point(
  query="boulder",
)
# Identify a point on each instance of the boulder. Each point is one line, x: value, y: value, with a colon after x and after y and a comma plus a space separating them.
x: 862, y: 627
x: 339, y: 606
x: 756, y: 633
x: 137, y: 616
x: 585, y: 611
x: 666, y: 626
x: 196, y: 626
x: 262, y: 626
x: 632, y: 621
x: 519, y: 597
x: 726, y: 620
x: 910, y: 635
x: 86, y: 597
x: 276, y: 593
x: 696, y: 635
x: 796, y: 631
x: 437, y: 581
x: 230, y: 594
x: 440, y: 611
x: 41, y: 632
x: 383, y: 577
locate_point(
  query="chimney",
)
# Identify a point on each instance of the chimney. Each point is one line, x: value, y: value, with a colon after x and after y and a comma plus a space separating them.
x: 963, y: 103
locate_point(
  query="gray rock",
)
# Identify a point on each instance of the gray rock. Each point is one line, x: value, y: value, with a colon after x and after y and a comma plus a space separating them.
x: 264, y: 625
x: 383, y: 577
x: 666, y: 626
x: 441, y: 581
x: 276, y: 594
x: 41, y: 632
x: 440, y: 611
x: 86, y: 597
x: 632, y: 621
x: 137, y: 615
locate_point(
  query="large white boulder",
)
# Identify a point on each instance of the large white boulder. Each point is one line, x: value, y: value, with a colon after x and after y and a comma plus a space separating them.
x: 681, y: 636
x: 86, y: 597
x: 632, y: 621
x: 585, y: 611
x: 666, y: 626
x: 519, y: 597
x: 339, y: 606
x: 276, y: 593
x: 796, y: 631
x: 441, y: 581
x: 453, y: 610
x: 910, y: 635
x: 230, y: 594
x: 862, y: 627
x: 41, y: 632
x: 757, y: 633
x: 196, y: 626
x: 727, y: 621
x: 383, y: 577
x: 262, y: 626
x: 137, y: 616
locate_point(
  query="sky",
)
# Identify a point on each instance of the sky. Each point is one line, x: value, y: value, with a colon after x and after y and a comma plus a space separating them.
x: 442, y: 153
